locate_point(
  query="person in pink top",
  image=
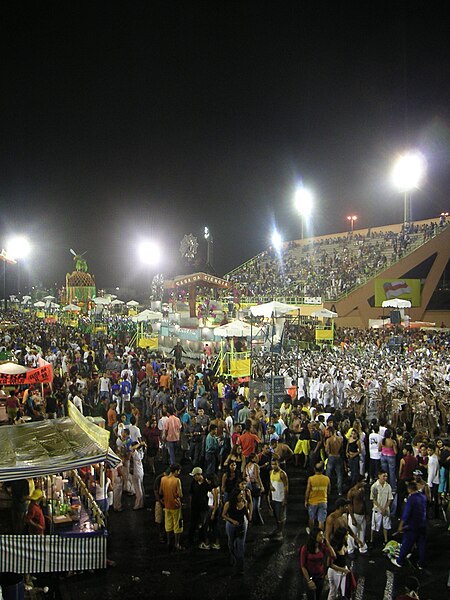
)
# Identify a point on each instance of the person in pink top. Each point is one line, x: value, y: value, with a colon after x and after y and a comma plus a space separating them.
x: 172, y: 429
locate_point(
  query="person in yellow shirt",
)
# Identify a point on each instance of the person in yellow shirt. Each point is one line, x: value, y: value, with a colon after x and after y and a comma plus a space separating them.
x: 316, y: 496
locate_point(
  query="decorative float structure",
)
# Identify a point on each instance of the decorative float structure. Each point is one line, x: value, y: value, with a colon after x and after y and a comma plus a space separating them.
x: 80, y: 284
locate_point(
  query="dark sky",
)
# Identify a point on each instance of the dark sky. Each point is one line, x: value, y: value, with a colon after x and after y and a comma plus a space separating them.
x: 157, y: 118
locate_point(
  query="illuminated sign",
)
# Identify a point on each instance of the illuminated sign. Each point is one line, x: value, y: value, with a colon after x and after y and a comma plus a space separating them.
x: 198, y: 278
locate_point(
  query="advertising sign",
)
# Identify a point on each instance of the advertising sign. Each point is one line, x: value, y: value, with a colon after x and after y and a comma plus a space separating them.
x: 406, y: 289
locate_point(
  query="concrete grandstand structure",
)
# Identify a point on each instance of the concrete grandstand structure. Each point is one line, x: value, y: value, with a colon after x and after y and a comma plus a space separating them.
x: 346, y: 284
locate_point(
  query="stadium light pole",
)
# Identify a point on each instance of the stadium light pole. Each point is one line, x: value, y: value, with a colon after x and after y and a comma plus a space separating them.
x: 18, y: 248
x: 303, y: 201
x: 208, y: 237
x: 352, y: 220
x: 407, y: 174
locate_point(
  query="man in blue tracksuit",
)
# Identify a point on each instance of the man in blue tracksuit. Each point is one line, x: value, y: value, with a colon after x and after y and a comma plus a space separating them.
x: 413, y: 525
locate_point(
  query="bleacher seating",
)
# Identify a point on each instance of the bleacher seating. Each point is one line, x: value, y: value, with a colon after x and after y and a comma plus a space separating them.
x: 329, y: 267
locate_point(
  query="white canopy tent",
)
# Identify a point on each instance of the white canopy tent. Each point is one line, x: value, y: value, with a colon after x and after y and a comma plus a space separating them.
x: 147, y: 315
x: 396, y: 303
x: 10, y: 368
x: 71, y: 308
x: 324, y: 313
x: 234, y: 329
x: 100, y: 301
x: 132, y: 303
x: 272, y: 309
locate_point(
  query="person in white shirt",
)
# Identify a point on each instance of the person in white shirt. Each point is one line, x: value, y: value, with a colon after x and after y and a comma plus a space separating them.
x: 78, y: 402
x: 433, y: 477
x: 135, y: 432
x: 375, y: 440
x: 314, y: 386
x: 104, y: 388
x: 31, y: 359
x: 162, y: 428
x: 137, y: 456
x: 127, y: 372
x: 381, y: 496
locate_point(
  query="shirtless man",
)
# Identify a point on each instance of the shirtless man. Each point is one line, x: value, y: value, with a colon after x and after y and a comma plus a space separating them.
x: 357, y: 517
x: 333, y: 447
x: 283, y: 450
x: 256, y: 426
x: 339, y: 520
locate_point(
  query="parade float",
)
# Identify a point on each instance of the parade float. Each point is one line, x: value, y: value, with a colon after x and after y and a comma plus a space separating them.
x: 80, y: 284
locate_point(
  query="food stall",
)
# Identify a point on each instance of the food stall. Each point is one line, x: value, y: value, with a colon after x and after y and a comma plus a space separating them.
x: 55, y: 453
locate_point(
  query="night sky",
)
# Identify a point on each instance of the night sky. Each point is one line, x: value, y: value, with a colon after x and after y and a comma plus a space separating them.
x: 158, y: 118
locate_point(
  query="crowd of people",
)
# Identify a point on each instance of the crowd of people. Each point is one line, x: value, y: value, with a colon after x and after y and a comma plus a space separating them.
x: 327, y: 267
x: 358, y: 415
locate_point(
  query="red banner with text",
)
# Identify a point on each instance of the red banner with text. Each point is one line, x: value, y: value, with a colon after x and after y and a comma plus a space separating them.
x: 43, y: 374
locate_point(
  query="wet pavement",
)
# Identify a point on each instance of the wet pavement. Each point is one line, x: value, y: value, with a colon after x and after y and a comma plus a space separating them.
x: 144, y: 567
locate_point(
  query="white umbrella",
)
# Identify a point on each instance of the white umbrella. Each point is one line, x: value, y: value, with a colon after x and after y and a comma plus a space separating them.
x: 101, y: 301
x: 49, y: 298
x: 396, y: 303
x: 26, y: 298
x: 117, y: 302
x: 324, y: 313
x: 276, y: 309
x: 235, y: 328
x: 132, y: 303
x: 54, y: 305
x: 10, y: 368
x: 71, y: 308
x: 147, y: 315
x: 39, y: 304
x: 25, y: 301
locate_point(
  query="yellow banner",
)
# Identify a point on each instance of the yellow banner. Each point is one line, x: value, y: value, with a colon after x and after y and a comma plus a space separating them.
x: 406, y: 289
x: 132, y: 312
x: 324, y: 334
x: 148, y: 342
x: 240, y: 367
x: 40, y: 314
x: 98, y: 434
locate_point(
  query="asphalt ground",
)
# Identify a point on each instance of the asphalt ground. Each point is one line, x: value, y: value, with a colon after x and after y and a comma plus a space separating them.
x: 145, y: 568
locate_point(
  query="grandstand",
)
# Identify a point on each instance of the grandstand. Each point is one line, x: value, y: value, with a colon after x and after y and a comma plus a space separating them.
x: 340, y: 271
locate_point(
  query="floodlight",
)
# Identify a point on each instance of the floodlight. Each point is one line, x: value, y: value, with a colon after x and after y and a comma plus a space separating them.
x: 149, y: 252
x: 409, y: 171
x: 18, y: 247
x: 277, y: 240
x: 303, y: 201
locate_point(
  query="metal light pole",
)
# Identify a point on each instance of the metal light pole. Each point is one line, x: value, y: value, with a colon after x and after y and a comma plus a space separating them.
x: 6, y: 258
x: 209, y: 250
x: 352, y: 220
